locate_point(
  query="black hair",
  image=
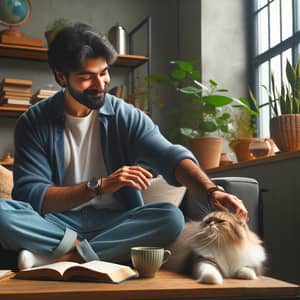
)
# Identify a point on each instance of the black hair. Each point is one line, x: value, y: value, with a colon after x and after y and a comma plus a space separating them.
x: 73, y: 44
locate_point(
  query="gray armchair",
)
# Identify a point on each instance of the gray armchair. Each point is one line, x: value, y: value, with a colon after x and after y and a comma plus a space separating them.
x: 195, y: 206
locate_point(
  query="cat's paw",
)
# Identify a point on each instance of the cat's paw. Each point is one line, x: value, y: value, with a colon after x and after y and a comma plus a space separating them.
x: 208, y: 274
x: 246, y: 273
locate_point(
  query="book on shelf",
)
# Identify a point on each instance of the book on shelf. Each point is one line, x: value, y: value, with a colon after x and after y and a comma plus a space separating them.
x: 14, y: 106
x: 95, y: 270
x: 15, y: 101
x: 21, y: 94
x: 15, y: 88
x: 42, y: 94
x: 16, y: 81
x: 4, y: 97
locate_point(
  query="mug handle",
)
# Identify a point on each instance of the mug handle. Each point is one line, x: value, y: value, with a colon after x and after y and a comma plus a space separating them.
x: 167, y: 253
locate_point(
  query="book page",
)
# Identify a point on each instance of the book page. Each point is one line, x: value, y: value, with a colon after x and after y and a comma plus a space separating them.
x: 60, y: 267
x: 103, y: 266
x: 6, y: 274
x: 115, y: 272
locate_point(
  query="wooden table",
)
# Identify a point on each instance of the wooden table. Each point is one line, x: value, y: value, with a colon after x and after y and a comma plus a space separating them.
x: 164, y: 286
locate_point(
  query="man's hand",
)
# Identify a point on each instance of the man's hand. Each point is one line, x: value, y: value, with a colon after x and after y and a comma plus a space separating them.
x: 134, y: 176
x: 222, y: 200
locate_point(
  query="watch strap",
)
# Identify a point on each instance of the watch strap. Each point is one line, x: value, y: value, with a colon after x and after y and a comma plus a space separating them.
x: 213, y: 189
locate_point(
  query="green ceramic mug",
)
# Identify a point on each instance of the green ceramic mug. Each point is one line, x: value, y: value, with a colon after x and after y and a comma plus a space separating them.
x: 148, y: 260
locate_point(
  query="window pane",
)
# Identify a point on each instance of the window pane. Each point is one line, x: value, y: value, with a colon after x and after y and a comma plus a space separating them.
x: 261, y: 3
x: 287, y: 19
x: 264, y: 112
x: 264, y: 121
x: 286, y: 55
x: 262, y: 31
x: 276, y: 70
x: 298, y: 15
x: 263, y: 78
x: 274, y: 23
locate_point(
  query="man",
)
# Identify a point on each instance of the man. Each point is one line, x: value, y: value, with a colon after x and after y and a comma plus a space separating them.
x: 78, y: 158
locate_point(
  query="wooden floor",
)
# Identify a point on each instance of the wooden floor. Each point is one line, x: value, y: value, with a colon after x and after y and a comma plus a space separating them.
x: 165, y: 285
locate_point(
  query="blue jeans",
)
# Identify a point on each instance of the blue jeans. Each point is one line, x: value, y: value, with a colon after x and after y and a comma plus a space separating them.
x: 105, y: 234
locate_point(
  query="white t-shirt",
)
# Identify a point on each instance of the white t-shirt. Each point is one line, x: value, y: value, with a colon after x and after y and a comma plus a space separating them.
x: 83, y: 156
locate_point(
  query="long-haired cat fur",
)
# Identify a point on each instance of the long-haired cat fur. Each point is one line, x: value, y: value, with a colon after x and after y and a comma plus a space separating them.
x: 221, y: 245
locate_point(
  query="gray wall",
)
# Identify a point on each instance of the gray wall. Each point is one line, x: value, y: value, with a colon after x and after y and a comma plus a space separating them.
x: 224, y: 44
x: 184, y: 29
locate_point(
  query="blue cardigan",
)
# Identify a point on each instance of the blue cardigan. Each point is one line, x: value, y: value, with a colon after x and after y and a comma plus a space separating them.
x: 128, y: 137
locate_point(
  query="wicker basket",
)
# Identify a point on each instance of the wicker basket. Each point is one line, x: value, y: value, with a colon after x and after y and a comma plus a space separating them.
x: 285, y: 131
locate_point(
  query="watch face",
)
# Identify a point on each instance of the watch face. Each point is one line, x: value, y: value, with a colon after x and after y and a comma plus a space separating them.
x: 93, y: 183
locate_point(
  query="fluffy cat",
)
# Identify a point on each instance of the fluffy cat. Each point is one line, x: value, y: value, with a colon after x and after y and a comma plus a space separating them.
x: 221, y: 245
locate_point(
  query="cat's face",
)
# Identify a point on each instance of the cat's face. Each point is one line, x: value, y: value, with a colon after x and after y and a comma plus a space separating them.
x: 223, y: 226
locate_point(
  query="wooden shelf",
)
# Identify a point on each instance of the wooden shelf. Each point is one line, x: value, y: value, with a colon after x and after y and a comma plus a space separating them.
x: 40, y: 54
x: 11, y: 111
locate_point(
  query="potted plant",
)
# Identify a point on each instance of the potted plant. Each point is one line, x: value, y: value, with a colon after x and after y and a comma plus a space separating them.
x: 243, y: 130
x: 54, y: 27
x: 201, y: 110
x: 285, y: 104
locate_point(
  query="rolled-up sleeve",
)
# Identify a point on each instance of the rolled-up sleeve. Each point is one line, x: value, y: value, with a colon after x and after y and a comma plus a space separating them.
x: 32, y: 173
x: 153, y: 149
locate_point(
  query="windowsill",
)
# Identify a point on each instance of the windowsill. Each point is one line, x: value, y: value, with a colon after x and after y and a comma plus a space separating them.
x: 259, y: 161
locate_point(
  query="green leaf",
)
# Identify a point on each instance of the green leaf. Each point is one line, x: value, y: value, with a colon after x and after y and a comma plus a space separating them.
x: 190, y: 133
x: 184, y: 65
x: 213, y: 83
x: 225, y: 116
x: 210, y: 109
x: 222, y: 90
x: 254, y: 101
x: 207, y: 126
x: 195, y: 75
x: 217, y: 100
x: 178, y: 74
x: 291, y: 76
x: 273, y: 103
x: 189, y: 90
x: 157, y: 78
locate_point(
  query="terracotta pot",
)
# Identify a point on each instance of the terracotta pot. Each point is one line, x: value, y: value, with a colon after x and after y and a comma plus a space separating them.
x: 285, y: 131
x: 241, y: 148
x: 207, y: 150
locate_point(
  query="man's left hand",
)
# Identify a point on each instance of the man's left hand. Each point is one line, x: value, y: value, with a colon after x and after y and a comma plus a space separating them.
x: 222, y: 200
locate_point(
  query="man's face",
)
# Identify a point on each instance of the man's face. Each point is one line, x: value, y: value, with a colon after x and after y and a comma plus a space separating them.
x: 89, y: 85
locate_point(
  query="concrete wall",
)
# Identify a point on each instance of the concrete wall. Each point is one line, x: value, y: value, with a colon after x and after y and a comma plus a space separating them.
x: 224, y: 44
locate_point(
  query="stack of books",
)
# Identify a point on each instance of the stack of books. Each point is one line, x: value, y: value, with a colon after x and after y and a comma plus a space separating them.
x: 15, y: 92
x: 42, y: 94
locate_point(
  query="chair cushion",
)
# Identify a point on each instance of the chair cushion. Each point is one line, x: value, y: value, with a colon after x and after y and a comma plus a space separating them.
x: 6, y: 183
x: 161, y: 191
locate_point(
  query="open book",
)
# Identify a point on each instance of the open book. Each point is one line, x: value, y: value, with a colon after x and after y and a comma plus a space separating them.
x: 91, y: 271
x: 6, y: 274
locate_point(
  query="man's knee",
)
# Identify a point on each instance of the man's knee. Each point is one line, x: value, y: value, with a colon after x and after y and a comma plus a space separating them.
x: 7, y: 208
x: 172, y: 222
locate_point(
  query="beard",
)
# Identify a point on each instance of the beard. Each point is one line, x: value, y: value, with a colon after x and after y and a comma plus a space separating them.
x: 88, y: 97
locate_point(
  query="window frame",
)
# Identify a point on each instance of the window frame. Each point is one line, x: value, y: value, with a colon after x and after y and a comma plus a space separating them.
x: 257, y: 60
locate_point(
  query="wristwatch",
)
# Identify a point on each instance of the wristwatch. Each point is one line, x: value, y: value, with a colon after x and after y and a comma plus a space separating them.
x: 94, y: 184
x: 213, y: 189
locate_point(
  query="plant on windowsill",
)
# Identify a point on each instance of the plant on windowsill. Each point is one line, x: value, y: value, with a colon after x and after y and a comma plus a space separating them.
x: 285, y: 104
x: 200, y: 112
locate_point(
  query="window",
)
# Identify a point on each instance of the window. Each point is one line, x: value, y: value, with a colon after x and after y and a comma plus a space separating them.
x: 277, y: 38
